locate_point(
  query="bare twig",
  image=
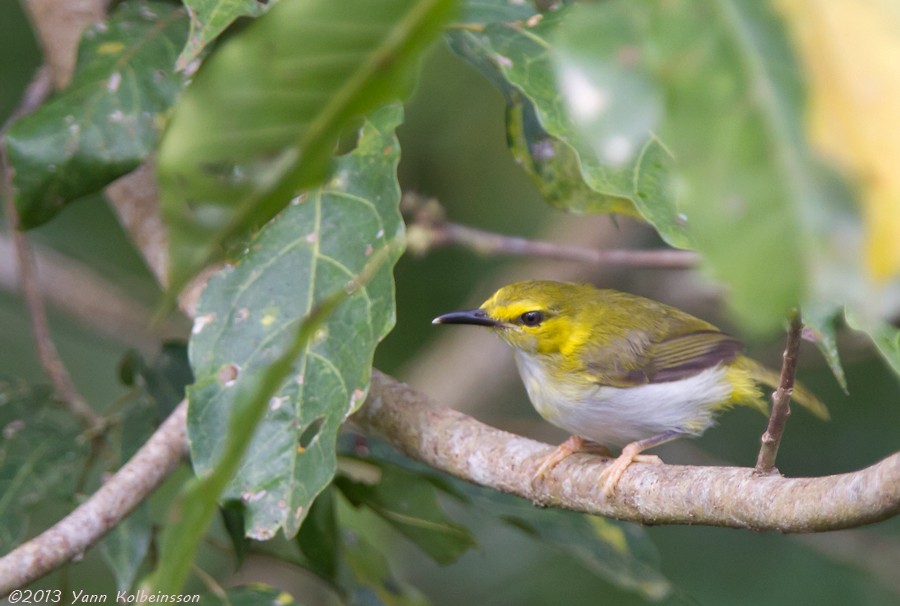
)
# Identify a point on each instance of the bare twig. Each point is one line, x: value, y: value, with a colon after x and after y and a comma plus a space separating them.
x: 781, y: 399
x: 34, y: 95
x: 429, y: 228
x: 111, y: 504
x: 650, y: 494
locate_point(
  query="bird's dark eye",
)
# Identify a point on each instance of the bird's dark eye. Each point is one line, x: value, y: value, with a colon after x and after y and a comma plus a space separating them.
x: 532, y: 318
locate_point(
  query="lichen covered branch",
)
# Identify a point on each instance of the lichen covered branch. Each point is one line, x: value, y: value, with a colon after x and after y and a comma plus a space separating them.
x: 650, y: 494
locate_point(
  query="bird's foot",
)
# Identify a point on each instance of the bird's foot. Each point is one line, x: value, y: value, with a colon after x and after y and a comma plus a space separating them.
x: 610, y: 476
x: 563, y: 451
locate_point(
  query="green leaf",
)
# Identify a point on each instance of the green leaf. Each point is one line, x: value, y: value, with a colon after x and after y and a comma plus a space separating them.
x: 619, y: 552
x: 769, y: 221
x: 820, y: 323
x: 319, y: 538
x: 553, y: 165
x: 234, y: 156
x: 495, y: 11
x: 125, y: 546
x: 257, y: 594
x: 410, y: 505
x: 885, y: 336
x: 254, y: 393
x: 368, y: 577
x: 247, y: 312
x: 353, y: 567
x: 108, y: 119
x: 164, y: 379
x: 209, y: 18
x: 622, y: 170
x: 41, y: 455
x: 232, y: 514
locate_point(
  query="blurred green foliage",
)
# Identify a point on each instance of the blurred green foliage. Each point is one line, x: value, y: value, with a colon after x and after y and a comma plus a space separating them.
x: 454, y: 147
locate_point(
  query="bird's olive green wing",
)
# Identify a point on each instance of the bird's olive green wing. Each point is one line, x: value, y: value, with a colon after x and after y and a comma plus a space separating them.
x: 669, y: 359
x: 686, y: 355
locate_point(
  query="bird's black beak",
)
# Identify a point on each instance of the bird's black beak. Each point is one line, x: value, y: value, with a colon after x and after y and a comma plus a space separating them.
x: 472, y: 316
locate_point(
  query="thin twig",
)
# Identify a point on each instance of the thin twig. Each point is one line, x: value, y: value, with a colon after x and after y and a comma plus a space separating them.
x: 35, y: 94
x: 781, y: 400
x: 429, y: 228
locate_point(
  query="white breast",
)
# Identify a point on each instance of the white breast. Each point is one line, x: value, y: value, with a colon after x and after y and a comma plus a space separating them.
x: 615, y: 416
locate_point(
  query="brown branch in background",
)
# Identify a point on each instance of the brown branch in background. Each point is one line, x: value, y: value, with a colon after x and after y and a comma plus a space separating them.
x: 781, y: 399
x: 119, y: 496
x: 75, y: 289
x: 428, y: 228
x: 35, y: 94
x: 732, y: 497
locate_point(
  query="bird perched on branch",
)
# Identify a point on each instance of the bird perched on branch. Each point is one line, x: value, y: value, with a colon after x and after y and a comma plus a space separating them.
x: 617, y: 369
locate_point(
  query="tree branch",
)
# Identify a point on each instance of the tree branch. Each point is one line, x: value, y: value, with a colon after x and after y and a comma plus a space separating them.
x: 781, y: 400
x: 428, y: 228
x: 35, y: 94
x: 650, y: 494
x: 111, y: 504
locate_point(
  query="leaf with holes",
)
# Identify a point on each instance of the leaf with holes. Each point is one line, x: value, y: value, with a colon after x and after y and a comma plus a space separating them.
x: 311, y: 250
x: 108, y: 119
x: 40, y: 456
x: 209, y: 18
x: 262, y: 117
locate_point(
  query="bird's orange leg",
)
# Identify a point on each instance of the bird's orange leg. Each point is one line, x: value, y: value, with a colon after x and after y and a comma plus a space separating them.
x: 632, y: 454
x: 565, y: 450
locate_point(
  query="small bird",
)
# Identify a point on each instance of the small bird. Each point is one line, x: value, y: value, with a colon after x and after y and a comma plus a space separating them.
x: 612, y: 368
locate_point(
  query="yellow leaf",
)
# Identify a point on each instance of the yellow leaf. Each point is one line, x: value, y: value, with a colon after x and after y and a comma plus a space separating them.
x: 850, y: 50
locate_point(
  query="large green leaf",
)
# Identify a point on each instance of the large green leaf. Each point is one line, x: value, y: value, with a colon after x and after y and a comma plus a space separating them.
x: 623, y: 167
x: 209, y: 18
x: 108, y: 119
x: 41, y: 456
x: 309, y: 251
x: 263, y: 115
x: 770, y: 222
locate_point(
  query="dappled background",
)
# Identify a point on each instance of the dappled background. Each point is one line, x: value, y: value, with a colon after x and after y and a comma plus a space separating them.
x: 454, y: 149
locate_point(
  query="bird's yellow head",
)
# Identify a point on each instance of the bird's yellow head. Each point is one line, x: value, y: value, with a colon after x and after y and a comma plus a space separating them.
x: 535, y: 316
